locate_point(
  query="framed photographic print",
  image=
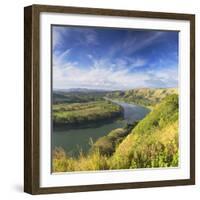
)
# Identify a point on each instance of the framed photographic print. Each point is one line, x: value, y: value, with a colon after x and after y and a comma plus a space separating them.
x: 109, y: 99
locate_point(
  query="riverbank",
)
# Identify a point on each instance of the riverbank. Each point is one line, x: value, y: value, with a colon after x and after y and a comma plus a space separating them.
x: 78, y: 137
x: 122, y: 100
x: 132, y: 112
x: 90, y: 124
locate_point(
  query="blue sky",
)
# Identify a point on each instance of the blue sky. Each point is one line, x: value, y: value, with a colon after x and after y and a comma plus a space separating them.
x: 113, y: 59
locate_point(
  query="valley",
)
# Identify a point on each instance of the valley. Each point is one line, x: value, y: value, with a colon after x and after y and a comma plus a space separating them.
x: 103, y: 130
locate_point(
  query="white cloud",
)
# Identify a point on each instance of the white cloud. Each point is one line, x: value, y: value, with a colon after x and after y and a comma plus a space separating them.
x: 99, y: 78
x: 137, y: 62
x: 107, y: 74
x: 104, y: 76
x: 164, y: 77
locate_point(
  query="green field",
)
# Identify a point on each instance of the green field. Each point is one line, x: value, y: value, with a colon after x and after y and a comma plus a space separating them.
x: 151, y: 142
x: 70, y: 115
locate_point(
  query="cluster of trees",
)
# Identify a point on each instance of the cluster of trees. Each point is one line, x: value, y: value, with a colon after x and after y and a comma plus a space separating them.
x: 152, y: 142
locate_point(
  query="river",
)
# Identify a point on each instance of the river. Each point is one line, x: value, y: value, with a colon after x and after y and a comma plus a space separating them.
x: 74, y: 140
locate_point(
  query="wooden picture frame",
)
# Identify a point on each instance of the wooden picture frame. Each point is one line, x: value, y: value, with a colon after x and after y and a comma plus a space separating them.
x: 32, y: 97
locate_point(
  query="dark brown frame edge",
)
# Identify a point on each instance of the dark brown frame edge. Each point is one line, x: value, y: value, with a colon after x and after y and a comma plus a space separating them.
x: 32, y: 106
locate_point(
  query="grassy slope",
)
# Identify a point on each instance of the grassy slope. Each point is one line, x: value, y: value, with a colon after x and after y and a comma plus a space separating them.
x: 152, y: 143
x: 106, y: 145
x: 143, y: 96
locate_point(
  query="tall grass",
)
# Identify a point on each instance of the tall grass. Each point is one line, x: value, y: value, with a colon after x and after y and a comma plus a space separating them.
x: 93, y: 161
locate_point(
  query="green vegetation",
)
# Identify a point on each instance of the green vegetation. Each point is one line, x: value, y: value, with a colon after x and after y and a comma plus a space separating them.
x: 145, y: 96
x: 76, y: 97
x: 63, y: 163
x: 153, y: 142
x: 74, y: 114
x: 106, y: 145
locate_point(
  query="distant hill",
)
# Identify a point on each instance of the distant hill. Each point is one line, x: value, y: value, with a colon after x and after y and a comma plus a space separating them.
x: 143, y: 96
x: 81, y: 90
x: 77, y: 95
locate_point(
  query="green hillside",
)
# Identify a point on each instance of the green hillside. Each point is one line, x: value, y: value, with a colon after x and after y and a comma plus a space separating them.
x: 143, y: 96
x: 76, y: 97
x: 153, y: 142
x: 106, y: 145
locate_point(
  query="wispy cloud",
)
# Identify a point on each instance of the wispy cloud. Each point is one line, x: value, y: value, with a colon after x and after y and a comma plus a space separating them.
x: 137, y: 62
x: 112, y: 60
x: 88, y: 37
x: 59, y: 33
x: 59, y: 59
x: 105, y: 75
x: 119, y: 63
x: 84, y: 36
x: 132, y: 44
x: 143, y: 42
x: 95, y: 77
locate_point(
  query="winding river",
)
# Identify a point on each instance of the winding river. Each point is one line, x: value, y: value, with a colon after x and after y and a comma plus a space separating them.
x: 74, y: 140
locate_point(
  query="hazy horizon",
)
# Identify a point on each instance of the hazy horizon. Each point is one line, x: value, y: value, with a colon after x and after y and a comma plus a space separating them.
x: 97, y: 89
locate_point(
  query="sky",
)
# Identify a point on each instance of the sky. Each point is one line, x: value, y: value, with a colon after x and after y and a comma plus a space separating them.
x: 113, y: 58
